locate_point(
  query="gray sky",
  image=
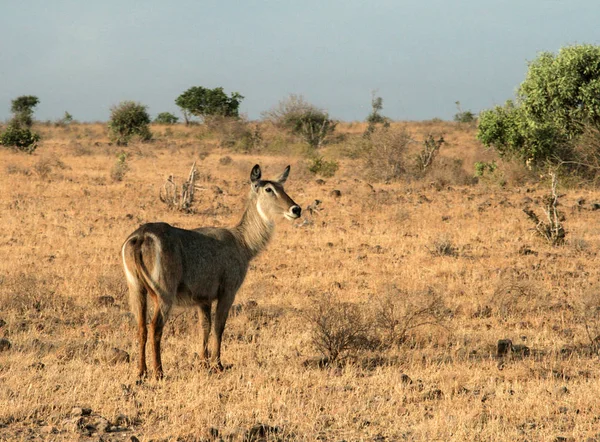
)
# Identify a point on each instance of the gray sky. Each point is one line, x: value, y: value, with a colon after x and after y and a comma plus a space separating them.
x: 421, y: 56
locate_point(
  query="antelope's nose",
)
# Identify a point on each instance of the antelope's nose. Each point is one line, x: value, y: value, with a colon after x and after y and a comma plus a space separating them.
x: 296, y: 210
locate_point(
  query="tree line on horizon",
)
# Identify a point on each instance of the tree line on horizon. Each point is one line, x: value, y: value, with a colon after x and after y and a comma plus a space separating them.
x: 554, y: 120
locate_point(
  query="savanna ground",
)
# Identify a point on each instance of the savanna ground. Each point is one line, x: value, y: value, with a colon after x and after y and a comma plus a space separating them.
x: 468, y: 246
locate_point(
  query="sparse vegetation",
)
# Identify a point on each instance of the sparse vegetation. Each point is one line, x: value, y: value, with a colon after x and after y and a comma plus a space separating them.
x: 117, y: 173
x: 384, y: 153
x: 318, y: 165
x: 553, y: 230
x: 375, y: 117
x: 426, y: 366
x: 465, y: 117
x: 431, y: 148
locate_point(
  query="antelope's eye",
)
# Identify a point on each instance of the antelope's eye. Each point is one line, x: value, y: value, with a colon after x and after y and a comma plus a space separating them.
x: 268, y: 189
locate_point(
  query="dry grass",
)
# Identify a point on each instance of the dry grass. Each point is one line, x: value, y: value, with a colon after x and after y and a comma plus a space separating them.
x: 64, y: 311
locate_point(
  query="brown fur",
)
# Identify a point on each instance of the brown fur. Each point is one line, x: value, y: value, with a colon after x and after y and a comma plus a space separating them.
x: 173, y: 266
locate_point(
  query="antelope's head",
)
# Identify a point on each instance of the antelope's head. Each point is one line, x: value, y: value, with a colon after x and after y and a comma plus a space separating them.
x: 271, y: 200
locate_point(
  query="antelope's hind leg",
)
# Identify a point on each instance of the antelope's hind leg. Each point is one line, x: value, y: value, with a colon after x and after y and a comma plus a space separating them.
x: 161, y: 311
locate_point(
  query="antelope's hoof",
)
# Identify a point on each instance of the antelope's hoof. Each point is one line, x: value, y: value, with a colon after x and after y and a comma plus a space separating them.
x: 142, y: 376
x: 217, y: 368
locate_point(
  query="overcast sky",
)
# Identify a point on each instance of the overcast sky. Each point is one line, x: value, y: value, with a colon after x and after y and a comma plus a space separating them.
x: 420, y: 56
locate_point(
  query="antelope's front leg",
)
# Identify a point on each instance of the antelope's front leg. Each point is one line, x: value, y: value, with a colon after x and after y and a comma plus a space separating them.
x: 218, y: 326
x: 205, y: 321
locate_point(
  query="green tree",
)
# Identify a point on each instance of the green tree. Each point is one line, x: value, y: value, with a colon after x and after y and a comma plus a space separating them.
x: 557, y: 103
x: 24, y: 104
x: 166, y: 118
x: 127, y: 120
x: 203, y: 102
x: 376, y: 107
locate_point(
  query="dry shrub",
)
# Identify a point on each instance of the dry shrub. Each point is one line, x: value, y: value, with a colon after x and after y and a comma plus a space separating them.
x: 80, y: 150
x: 399, y: 313
x: 552, y: 231
x: 449, y: 171
x: 384, y: 153
x: 516, y: 298
x: 588, y: 311
x: 13, y: 169
x: 236, y: 134
x: 29, y: 294
x: 180, y: 197
x: 443, y: 247
x: 46, y: 164
x: 339, y: 329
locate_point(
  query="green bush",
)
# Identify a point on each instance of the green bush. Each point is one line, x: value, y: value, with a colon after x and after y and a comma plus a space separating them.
x: 320, y: 166
x: 302, y: 119
x: 117, y: 173
x: 314, y: 126
x: 127, y: 120
x: 20, y: 138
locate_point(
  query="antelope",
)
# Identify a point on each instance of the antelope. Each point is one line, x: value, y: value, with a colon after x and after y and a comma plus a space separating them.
x: 199, y: 267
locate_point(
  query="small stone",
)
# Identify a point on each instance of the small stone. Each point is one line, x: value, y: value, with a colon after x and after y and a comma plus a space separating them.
x: 405, y: 379
x: 105, y: 301
x: 434, y: 394
x: 80, y: 411
x: 48, y: 429
x: 2, y: 323
x: 320, y: 182
x: 561, y: 391
x: 117, y: 356
x: 335, y: 193
x: 521, y: 350
x: 504, y: 346
x: 133, y: 439
x: 5, y: 345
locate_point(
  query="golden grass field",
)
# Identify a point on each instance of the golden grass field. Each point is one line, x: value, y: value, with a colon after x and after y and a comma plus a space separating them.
x: 63, y: 222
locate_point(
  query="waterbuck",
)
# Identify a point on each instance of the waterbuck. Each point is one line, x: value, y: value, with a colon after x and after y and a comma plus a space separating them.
x: 199, y: 267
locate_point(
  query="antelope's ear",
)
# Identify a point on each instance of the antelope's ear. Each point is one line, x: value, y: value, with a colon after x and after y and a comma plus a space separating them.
x: 255, y: 174
x: 283, y: 177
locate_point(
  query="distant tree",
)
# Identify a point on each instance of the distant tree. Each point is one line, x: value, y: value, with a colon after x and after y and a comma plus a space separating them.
x: 22, y: 108
x: 18, y: 134
x: 127, y: 120
x: 558, y: 102
x: 463, y: 116
x: 166, y: 118
x: 375, y: 116
x: 203, y: 102
x: 376, y: 107
x: 65, y: 120
x: 24, y: 104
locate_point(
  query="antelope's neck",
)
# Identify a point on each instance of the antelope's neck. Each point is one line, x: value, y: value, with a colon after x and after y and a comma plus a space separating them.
x: 253, y: 231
